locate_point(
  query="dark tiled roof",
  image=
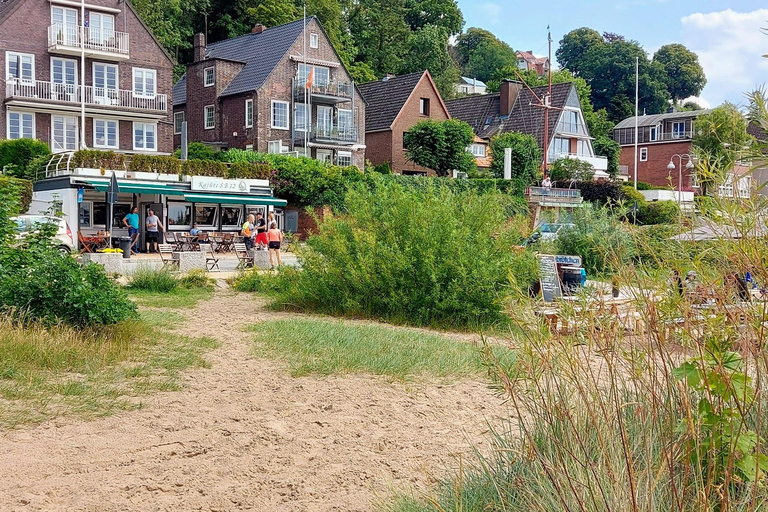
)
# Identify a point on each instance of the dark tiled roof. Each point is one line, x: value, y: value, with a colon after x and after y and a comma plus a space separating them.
x: 385, y: 99
x: 757, y: 131
x: 180, y: 91
x: 6, y: 6
x: 527, y: 117
x: 480, y: 112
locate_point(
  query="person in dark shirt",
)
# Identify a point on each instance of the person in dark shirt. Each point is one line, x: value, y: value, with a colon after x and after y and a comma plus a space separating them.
x: 261, y: 231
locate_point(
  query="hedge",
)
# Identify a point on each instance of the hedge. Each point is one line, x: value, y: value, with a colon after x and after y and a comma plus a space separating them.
x: 599, y: 192
x: 16, y: 187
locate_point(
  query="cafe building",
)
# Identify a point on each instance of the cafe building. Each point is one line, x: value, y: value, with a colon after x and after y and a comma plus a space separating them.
x: 214, y: 204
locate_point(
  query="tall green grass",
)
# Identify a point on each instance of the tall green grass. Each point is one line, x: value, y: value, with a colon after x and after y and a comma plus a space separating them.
x: 328, y: 347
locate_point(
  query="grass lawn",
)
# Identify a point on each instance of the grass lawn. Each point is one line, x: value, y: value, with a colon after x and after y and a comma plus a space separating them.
x: 178, y: 298
x: 326, y: 347
x: 90, y: 372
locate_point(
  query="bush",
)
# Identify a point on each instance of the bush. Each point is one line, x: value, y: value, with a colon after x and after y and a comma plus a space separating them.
x: 659, y: 212
x: 203, y: 168
x: 526, y: 156
x: 95, y: 159
x: 599, y: 192
x: 199, y: 151
x: 16, y: 155
x: 570, y: 169
x: 641, y: 185
x: 152, y: 280
x: 17, y: 193
x: 423, y: 258
x: 155, y: 163
x: 249, y: 170
x: 197, y: 278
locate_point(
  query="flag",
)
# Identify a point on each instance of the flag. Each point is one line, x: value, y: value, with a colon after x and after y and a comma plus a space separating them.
x: 310, y: 77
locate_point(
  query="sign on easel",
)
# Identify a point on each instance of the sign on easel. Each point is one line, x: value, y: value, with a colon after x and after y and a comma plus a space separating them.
x: 549, y: 278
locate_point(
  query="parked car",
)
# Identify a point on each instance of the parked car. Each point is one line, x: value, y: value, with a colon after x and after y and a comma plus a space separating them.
x: 26, y: 224
x: 546, y: 231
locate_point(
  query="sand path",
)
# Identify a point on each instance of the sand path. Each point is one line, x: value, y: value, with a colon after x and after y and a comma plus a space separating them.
x: 244, y: 435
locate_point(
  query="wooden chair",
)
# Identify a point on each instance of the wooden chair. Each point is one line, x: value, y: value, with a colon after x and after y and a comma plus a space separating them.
x: 86, y: 245
x: 166, y: 254
x: 170, y: 238
x: 211, y: 260
x: 244, y: 258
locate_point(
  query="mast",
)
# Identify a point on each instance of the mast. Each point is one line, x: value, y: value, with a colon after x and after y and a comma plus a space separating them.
x: 547, y: 102
x: 637, y: 96
x: 306, y: 91
x: 81, y: 76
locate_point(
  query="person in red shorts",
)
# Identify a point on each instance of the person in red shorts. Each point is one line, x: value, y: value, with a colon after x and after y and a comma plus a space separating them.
x: 261, y: 231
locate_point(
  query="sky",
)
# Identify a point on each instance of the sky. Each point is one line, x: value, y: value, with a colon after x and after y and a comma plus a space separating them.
x: 726, y: 35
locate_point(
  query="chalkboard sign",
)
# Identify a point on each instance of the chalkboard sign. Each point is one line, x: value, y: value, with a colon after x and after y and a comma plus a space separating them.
x: 550, y: 280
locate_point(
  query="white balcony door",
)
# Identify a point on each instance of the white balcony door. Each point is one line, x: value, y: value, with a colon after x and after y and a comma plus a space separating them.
x: 63, y: 134
x: 64, y: 21
x: 345, y: 122
x: 325, y: 155
x: 324, y: 120
x: 64, y: 79
x: 102, y: 28
x: 105, y: 83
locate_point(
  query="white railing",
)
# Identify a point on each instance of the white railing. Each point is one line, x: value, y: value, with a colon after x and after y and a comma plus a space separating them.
x: 95, y: 39
x: 572, y: 193
x: 64, y: 93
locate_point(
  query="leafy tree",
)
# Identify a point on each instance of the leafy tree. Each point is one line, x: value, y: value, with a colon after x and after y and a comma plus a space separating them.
x: 440, y: 146
x: 574, y: 46
x: 380, y: 33
x: 440, y: 13
x: 481, y: 54
x: 564, y: 169
x: 609, y: 148
x: 690, y: 106
x: 271, y: 13
x: 361, y: 72
x: 526, y: 155
x: 429, y: 50
x: 17, y: 157
x: 684, y: 75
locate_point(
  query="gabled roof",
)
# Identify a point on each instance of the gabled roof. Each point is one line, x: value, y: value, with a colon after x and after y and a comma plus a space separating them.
x: 480, y: 112
x: 6, y: 6
x: 654, y: 119
x: 472, y: 81
x: 386, y: 98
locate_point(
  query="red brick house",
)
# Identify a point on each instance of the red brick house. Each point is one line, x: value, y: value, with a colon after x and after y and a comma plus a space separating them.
x: 659, y: 137
x: 260, y: 91
x: 527, y: 61
x: 393, y: 106
x: 57, y: 58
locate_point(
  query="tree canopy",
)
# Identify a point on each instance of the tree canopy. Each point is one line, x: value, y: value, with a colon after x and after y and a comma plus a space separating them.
x: 526, y: 156
x: 440, y: 146
x: 684, y: 75
x: 481, y: 54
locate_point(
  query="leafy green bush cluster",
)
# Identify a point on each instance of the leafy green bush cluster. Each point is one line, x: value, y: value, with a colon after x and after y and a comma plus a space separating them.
x: 19, y: 189
x: 203, y: 168
x: 430, y: 257
x: 96, y: 159
x: 20, y: 158
x: 599, y: 192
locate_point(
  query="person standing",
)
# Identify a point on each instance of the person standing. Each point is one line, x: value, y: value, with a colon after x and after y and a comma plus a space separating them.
x: 153, y: 230
x: 132, y: 222
x: 275, y: 237
x: 248, y: 232
x: 261, y: 231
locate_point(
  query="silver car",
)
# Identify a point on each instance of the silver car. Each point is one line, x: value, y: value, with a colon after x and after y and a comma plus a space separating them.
x: 26, y: 224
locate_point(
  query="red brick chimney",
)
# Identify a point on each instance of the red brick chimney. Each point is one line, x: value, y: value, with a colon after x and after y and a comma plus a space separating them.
x: 509, y: 91
x: 198, y: 44
x: 258, y: 29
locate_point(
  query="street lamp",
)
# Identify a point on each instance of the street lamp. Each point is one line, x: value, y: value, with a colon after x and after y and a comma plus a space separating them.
x: 671, y: 167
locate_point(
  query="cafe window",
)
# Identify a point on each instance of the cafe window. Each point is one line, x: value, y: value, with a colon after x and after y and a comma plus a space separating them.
x: 179, y: 215
x: 119, y: 212
x: 205, y: 215
x: 231, y: 216
x: 99, y: 214
x: 85, y: 214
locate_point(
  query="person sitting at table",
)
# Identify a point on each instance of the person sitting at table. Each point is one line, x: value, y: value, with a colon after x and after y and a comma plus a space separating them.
x: 195, y: 230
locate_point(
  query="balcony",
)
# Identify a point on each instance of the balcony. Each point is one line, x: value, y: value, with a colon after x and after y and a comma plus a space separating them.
x: 324, y: 135
x: 332, y: 92
x: 545, y: 196
x: 598, y: 163
x: 66, y: 39
x: 67, y: 97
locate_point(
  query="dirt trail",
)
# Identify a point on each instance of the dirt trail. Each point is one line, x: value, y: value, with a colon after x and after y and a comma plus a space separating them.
x: 244, y: 435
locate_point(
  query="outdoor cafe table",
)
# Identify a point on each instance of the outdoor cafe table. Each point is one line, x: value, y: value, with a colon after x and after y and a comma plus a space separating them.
x: 93, y: 243
x: 622, y: 309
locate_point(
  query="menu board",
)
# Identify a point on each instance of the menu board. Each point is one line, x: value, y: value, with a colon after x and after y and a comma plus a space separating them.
x: 549, y: 278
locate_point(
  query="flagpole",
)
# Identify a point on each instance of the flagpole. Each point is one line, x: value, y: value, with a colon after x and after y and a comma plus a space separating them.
x: 81, y: 29
x: 307, y: 113
x: 637, y: 96
x: 547, y: 101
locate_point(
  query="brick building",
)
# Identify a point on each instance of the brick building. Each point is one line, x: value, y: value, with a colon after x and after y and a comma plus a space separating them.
x: 261, y: 91
x: 659, y: 137
x: 516, y: 108
x: 394, y: 106
x: 527, y: 61
x: 124, y: 79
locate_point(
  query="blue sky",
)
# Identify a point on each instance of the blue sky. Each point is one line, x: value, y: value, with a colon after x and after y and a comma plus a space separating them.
x: 725, y: 34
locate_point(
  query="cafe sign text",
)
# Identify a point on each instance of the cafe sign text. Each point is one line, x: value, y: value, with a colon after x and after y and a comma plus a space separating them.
x: 208, y: 184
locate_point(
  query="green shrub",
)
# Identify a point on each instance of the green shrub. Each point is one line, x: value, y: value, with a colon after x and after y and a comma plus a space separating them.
x: 384, y: 168
x: 17, y: 193
x: 249, y: 170
x: 598, y: 192
x: 155, y: 163
x: 570, y: 169
x: 258, y: 282
x: 197, y: 278
x: 199, y: 151
x: 95, y: 159
x: 641, y: 185
x: 203, y: 168
x: 424, y: 258
x: 659, y: 212
x: 16, y: 155
x: 152, y: 280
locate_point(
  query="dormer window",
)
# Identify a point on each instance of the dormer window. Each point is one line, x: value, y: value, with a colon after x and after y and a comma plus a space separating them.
x: 210, y: 77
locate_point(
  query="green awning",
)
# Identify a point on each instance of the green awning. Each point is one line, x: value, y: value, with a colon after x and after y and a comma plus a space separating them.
x: 140, y: 188
x: 234, y: 199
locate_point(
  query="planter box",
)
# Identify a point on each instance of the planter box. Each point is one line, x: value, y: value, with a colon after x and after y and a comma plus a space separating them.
x: 112, y: 262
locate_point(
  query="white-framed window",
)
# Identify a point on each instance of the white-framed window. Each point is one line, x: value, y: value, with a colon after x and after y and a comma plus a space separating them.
x: 179, y: 216
x: 101, y: 27
x: 584, y: 148
x: 345, y: 123
x: 678, y: 130
x: 275, y: 147
x: 655, y: 132
x: 325, y: 155
x: 61, y: 16
x: 344, y: 158
x: 63, y: 134
x: 248, y: 113
x: 21, y: 125
x: 209, y: 114
x: 19, y: 66
x: 560, y: 146
x: 478, y: 150
x: 209, y: 75
x: 424, y: 106
x: 144, y: 82
x: 105, y: 83
x: 105, y: 133
x: 643, y: 154
x: 301, y: 117
x: 63, y: 71
x: 324, y: 120
x: 249, y: 147
x: 570, y: 122
x: 280, y: 115
x: 178, y: 118
x: 314, y: 39
x: 144, y: 136
x: 320, y: 78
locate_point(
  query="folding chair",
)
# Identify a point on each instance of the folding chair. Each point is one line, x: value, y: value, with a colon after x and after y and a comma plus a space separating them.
x: 166, y: 255
x: 244, y: 258
x: 211, y: 260
x: 85, y: 245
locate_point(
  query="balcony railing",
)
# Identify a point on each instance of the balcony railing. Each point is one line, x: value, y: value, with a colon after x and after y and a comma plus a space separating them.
x: 319, y: 133
x: 67, y: 35
x: 63, y: 93
x: 570, y: 193
x: 331, y: 89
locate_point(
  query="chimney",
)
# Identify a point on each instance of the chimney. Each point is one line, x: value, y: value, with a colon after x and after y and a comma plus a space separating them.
x: 509, y: 91
x: 258, y: 29
x: 198, y: 43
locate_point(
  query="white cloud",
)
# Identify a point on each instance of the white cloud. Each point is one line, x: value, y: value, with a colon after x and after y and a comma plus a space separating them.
x: 730, y: 46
